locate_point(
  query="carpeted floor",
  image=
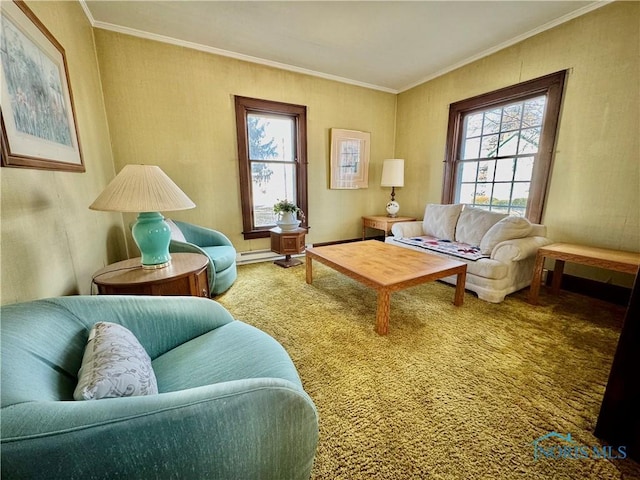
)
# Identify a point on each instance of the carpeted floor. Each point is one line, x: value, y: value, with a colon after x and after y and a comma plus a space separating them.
x: 451, y: 392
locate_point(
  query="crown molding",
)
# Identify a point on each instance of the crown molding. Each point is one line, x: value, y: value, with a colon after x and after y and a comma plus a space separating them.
x: 292, y: 68
x: 226, y: 53
x: 87, y: 12
x: 510, y: 42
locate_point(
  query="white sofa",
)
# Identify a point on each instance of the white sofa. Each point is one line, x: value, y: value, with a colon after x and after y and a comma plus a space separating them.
x: 506, y: 245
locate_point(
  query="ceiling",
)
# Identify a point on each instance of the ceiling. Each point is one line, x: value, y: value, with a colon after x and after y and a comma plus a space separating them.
x: 386, y: 45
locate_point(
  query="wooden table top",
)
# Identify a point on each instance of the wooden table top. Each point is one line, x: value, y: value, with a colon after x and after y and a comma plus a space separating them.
x: 386, y: 218
x: 384, y: 264
x: 603, y: 257
x: 130, y: 272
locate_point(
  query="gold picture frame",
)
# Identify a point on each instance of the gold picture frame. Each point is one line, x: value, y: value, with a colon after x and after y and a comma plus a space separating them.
x: 37, y: 115
x: 350, y: 151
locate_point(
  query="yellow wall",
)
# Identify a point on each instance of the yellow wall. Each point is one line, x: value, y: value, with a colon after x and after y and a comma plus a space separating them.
x: 174, y: 107
x: 594, y: 191
x: 51, y: 241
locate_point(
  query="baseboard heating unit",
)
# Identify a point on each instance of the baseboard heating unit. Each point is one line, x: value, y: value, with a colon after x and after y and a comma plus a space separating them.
x: 255, y: 256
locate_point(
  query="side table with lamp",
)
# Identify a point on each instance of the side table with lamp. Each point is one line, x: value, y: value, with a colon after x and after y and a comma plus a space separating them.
x: 186, y: 275
x: 392, y: 176
x: 147, y: 190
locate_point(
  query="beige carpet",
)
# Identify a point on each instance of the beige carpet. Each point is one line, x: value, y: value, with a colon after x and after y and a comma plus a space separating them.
x: 451, y: 392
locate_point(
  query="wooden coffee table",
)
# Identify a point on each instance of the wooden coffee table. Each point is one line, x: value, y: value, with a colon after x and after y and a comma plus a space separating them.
x: 386, y: 268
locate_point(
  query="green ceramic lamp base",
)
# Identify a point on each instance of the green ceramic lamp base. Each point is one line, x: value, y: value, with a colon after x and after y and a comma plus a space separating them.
x: 152, y: 235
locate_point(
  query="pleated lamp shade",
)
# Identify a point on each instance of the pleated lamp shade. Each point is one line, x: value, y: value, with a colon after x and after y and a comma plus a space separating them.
x: 142, y: 188
x: 145, y: 189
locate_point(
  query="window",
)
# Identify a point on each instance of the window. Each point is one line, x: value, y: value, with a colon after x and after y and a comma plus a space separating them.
x: 500, y: 147
x: 272, y: 152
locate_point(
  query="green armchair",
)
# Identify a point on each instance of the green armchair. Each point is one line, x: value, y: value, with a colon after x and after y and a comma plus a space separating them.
x: 222, y: 270
x: 230, y: 402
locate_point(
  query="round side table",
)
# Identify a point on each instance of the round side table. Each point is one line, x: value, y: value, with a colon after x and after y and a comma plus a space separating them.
x: 186, y: 275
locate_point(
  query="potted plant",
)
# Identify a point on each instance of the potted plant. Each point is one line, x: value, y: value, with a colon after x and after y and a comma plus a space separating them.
x: 288, y: 214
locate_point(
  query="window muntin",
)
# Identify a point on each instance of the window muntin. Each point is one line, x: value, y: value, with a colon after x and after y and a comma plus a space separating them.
x: 500, y: 147
x: 272, y: 160
x: 497, y: 153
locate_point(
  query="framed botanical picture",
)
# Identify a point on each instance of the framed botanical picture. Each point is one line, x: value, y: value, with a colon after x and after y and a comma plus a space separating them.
x: 350, y: 158
x: 39, y: 127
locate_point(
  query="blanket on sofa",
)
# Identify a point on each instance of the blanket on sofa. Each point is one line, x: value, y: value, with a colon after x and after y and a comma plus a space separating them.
x: 457, y: 249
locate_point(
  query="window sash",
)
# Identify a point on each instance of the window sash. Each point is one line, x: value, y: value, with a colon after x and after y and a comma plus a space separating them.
x: 550, y: 86
x: 297, y: 113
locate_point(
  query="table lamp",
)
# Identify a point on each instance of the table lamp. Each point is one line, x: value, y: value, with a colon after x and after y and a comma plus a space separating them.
x: 145, y: 189
x: 393, y: 176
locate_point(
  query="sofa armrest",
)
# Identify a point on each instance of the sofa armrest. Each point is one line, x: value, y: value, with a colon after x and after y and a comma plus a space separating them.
x: 407, y: 229
x: 160, y: 323
x: 176, y: 246
x: 253, y: 428
x: 518, y: 249
x: 202, y: 236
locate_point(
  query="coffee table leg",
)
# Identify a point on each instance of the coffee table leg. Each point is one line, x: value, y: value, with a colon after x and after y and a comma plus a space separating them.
x: 382, y: 312
x: 459, y: 295
x: 536, y: 279
x: 556, y: 280
x: 309, y: 269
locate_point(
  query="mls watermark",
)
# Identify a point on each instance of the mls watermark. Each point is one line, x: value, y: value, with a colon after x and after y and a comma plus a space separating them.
x: 555, y: 446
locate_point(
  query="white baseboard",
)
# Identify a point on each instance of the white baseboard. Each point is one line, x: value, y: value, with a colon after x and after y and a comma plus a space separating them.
x: 255, y: 256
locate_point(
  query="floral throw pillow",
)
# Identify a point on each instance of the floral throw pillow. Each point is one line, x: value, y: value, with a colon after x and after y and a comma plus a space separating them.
x: 114, y: 365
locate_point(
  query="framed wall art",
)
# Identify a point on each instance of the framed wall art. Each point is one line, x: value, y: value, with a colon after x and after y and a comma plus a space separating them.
x: 39, y: 127
x: 350, y: 159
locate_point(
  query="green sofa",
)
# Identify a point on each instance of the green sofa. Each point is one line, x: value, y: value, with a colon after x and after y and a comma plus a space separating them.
x: 230, y: 405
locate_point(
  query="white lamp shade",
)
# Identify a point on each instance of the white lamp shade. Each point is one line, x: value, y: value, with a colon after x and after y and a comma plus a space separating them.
x: 393, y: 173
x: 142, y: 188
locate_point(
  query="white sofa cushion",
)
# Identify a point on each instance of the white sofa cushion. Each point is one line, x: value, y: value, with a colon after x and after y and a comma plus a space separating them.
x: 474, y: 223
x: 506, y: 229
x: 487, y: 268
x: 440, y: 220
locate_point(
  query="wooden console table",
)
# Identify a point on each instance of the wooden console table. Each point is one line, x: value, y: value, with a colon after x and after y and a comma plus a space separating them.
x: 382, y: 222
x: 186, y: 275
x: 627, y: 262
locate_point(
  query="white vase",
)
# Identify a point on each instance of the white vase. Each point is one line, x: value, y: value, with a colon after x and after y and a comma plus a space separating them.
x: 288, y: 221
